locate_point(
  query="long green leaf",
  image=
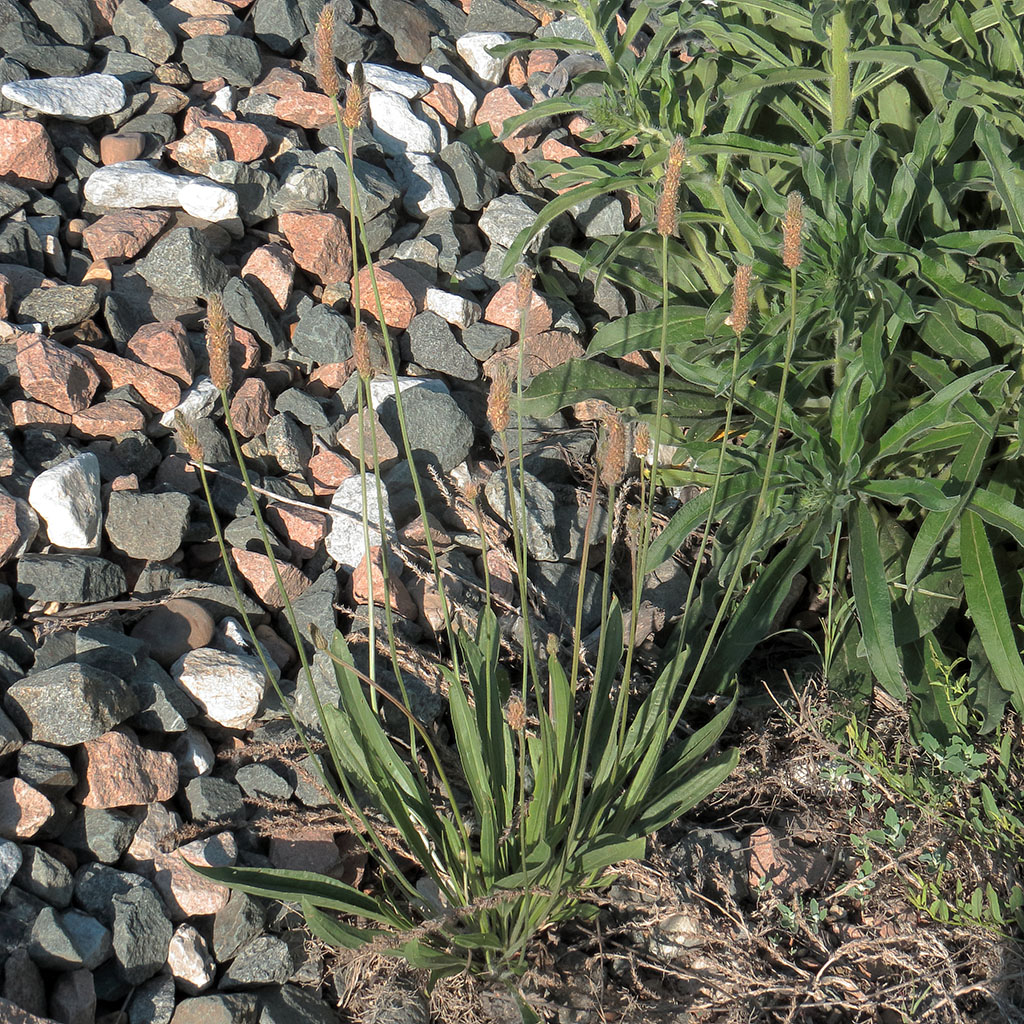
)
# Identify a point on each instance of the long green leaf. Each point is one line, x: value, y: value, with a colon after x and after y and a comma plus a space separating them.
x: 997, y: 511
x: 987, y: 607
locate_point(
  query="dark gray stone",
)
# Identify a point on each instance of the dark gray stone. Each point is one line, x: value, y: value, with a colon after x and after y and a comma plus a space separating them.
x: 540, y: 520
x: 11, y: 198
x: 712, y: 861
x: 240, y: 920
x: 226, y: 1008
x: 70, y: 20
x: 323, y: 335
x: 232, y: 58
x: 265, y: 960
x: 130, y: 68
x: 100, y: 833
x: 305, y: 188
x: 254, y: 187
x: 147, y: 526
x: 261, y: 782
x: 153, y: 1001
x: 558, y: 583
x: 248, y: 310
x: 430, y: 342
x: 183, y: 263
x: 438, y: 429
x: 375, y: 188
x: 69, y: 704
x: 278, y: 24
x: 163, y: 705
x: 96, y: 885
x: 289, y: 443
x: 61, y: 306
x: 499, y: 16
x: 67, y: 941
x: 600, y: 216
x: 10, y: 861
x: 46, y: 769
x: 72, y: 579
x: 213, y: 799
x: 145, y: 34
x: 42, y: 875
x: 109, y: 650
x: 141, y: 935
x: 478, y: 184
x: 303, y: 408
x: 483, y: 340
x: 290, y: 1004
x: 23, y: 983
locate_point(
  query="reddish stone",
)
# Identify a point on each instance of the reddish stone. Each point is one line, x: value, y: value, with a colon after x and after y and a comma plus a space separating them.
x: 403, y: 292
x: 500, y: 570
x: 348, y: 438
x: 165, y: 99
x: 328, y: 469
x: 248, y: 141
x: 583, y: 128
x: 320, y: 244
x: 503, y: 309
x: 98, y: 273
x: 202, y: 8
x: 303, y: 528
x: 791, y: 869
x: 108, y: 419
x: 251, y: 407
x: 544, y: 351
x: 26, y: 153
x: 273, y: 268
x: 517, y: 70
x: 306, y: 109
x: 118, y: 147
x: 255, y: 568
x: 125, y: 482
x: 23, y: 809
x: 313, y: 849
x: 244, y: 350
x: 498, y: 106
x: 443, y: 99
x: 115, y: 770
x: 165, y: 347
x: 123, y: 234
x: 193, y: 27
x: 35, y: 414
x: 156, y: 388
x: 328, y: 378
x: 55, y: 375
x: 399, y: 597
x: 6, y: 296
x: 279, y: 82
x: 102, y: 13
x: 632, y: 210
x: 544, y: 61
x: 11, y: 537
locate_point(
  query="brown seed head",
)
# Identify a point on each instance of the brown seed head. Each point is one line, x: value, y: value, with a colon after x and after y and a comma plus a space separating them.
x: 326, y: 69
x: 188, y: 438
x: 515, y: 714
x: 318, y: 638
x: 355, y: 100
x: 740, y: 315
x: 524, y: 289
x: 633, y: 522
x: 361, y: 352
x: 792, y: 231
x: 669, y: 200
x: 218, y: 338
x: 551, y: 645
x: 471, y: 491
x: 641, y: 440
x: 498, y: 398
x: 613, y: 455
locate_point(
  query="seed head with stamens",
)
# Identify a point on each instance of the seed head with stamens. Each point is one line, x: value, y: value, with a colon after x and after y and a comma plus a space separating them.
x: 613, y: 454
x: 669, y: 200
x: 641, y: 440
x: 361, y: 352
x: 188, y: 438
x: 218, y: 338
x: 355, y: 100
x: 326, y: 69
x: 792, y: 231
x: 739, y: 317
x: 524, y: 289
x: 515, y: 715
x: 499, y: 397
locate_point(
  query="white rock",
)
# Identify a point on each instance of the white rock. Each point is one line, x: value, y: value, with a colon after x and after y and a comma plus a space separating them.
x: 207, y: 201
x: 426, y: 189
x: 398, y: 129
x: 68, y: 499
x: 223, y: 99
x: 412, y: 87
x: 197, y: 402
x: 132, y: 184
x: 228, y: 687
x: 466, y: 97
x: 193, y: 752
x: 454, y: 308
x: 345, y: 541
x: 382, y: 388
x: 189, y: 959
x: 232, y: 637
x: 474, y: 48
x: 74, y: 99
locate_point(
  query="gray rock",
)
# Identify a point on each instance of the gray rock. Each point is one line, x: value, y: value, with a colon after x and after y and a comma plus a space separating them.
x: 398, y: 129
x: 96, y: 885
x: 82, y: 98
x: 499, y: 16
x: 254, y: 187
x: 278, y: 24
x: 153, y: 1001
x: 23, y: 983
x: 68, y: 941
x: 100, y: 833
x: 289, y: 443
x: 712, y: 861
x: 109, y: 650
x: 141, y: 934
x: 305, y: 188
x: 69, y: 704
x: 475, y: 49
x: 540, y: 512
x: 132, y: 183
x: 74, y: 579
x: 261, y: 782
x: 42, y: 875
x: 558, y: 582
x: 232, y: 58
x: 345, y: 541
x: 265, y: 960
x: 214, y: 799
x: 375, y: 188
x: 70, y: 20
x: 409, y: 25
x: 227, y: 1008
x: 10, y: 861
x: 11, y: 198
x: 478, y: 184
x: 426, y: 188
x: 431, y: 343
x: 600, y: 216
x: 305, y: 409
x: 503, y: 219
x: 183, y: 263
x: 163, y: 705
x: 146, y: 36
x: 323, y: 336
x: 239, y: 921
x: 130, y: 68
x: 147, y: 526
x: 248, y: 310
x: 437, y: 427
x: 46, y: 769
x: 567, y: 27
x: 483, y: 340
x: 60, y: 306
x: 290, y: 1004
